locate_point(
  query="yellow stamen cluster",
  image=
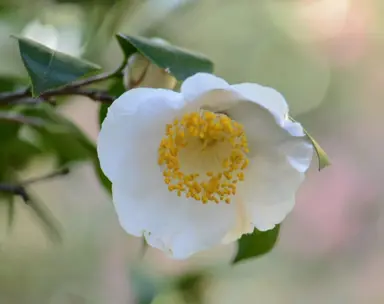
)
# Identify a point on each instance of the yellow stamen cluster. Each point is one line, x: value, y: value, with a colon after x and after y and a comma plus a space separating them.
x: 210, y: 129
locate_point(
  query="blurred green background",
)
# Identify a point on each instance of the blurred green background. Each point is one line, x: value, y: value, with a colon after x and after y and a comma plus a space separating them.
x: 325, y: 56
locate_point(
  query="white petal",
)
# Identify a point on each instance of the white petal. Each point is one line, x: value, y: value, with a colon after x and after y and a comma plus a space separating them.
x: 269, y: 189
x: 298, y: 149
x: 133, y: 129
x: 177, y: 226
x: 200, y: 84
x: 267, y: 97
x: 260, y: 126
x: 243, y: 222
x: 265, y: 134
x: 299, y: 154
x: 266, y: 217
x: 293, y: 128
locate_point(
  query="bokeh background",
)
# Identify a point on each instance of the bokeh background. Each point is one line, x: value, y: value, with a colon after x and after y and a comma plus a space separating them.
x: 325, y: 56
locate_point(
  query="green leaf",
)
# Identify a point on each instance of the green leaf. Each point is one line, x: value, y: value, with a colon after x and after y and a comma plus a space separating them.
x: 17, y: 154
x: 144, y: 287
x: 8, y: 131
x: 49, y: 69
x: 321, y: 154
x: 11, y: 211
x: 61, y: 136
x: 103, y: 110
x: 9, y: 83
x: 46, y: 218
x: 256, y: 244
x: 192, y: 286
x: 179, y: 62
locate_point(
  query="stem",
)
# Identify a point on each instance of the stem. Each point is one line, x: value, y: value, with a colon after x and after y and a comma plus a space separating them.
x: 51, y: 175
x: 74, y: 88
x: 99, y: 77
x: 133, y: 84
x: 15, y: 190
x: 19, y: 188
x: 17, y: 118
x: 44, y: 215
x: 143, y: 249
x: 12, y: 96
x: 95, y: 95
x: 28, y: 100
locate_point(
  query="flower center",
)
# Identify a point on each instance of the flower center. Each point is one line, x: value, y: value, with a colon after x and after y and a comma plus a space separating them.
x: 204, y: 140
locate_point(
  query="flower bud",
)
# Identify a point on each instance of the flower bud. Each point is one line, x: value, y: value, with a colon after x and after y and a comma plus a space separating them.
x: 141, y: 72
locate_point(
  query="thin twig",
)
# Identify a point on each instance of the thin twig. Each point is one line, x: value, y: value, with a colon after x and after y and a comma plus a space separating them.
x: 28, y: 100
x: 19, y: 188
x: 143, y: 249
x: 133, y: 84
x: 51, y: 175
x: 96, y: 95
x: 18, y: 118
x: 99, y: 77
x: 43, y: 214
x: 15, y: 190
x: 12, y: 96
x: 74, y: 88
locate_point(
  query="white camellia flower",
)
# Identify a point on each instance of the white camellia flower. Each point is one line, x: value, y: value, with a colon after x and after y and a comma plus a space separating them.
x: 202, y: 167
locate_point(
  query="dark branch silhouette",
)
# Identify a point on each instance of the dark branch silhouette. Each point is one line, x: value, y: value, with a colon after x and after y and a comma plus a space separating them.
x: 18, y: 189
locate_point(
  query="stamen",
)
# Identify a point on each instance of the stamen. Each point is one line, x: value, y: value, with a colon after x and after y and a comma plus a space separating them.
x: 210, y: 129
